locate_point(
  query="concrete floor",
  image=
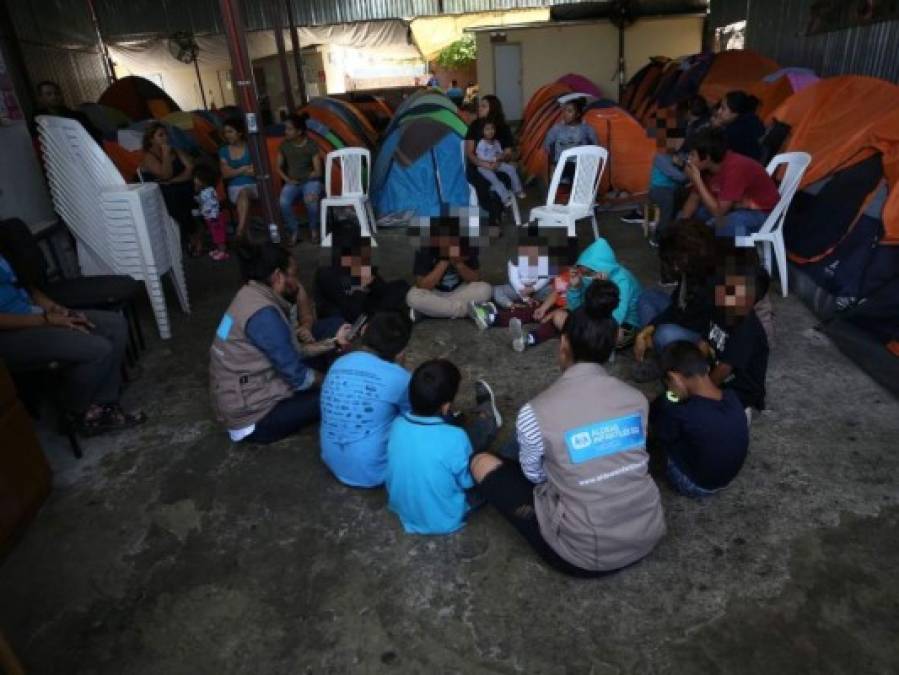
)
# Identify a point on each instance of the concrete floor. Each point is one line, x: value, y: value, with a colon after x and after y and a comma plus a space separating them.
x: 170, y: 550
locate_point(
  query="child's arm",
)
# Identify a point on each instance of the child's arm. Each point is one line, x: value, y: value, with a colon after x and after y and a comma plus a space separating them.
x: 432, y: 278
x: 515, y: 279
x: 546, y: 305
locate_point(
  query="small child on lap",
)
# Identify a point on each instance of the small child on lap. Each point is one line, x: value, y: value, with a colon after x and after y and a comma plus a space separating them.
x: 428, y: 453
x: 700, y: 428
x: 490, y: 151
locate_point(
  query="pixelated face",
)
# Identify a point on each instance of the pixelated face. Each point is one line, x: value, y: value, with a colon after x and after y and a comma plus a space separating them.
x: 451, y: 236
x: 549, y: 246
x: 735, y: 294
x: 356, y: 260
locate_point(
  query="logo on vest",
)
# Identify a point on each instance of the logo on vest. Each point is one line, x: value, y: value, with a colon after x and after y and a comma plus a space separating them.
x: 605, y: 438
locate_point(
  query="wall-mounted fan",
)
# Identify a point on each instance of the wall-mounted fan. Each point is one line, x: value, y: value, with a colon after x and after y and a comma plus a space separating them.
x: 184, y: 48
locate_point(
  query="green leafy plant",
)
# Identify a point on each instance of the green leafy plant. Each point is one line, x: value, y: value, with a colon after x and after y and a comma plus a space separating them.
x: 460, y: 53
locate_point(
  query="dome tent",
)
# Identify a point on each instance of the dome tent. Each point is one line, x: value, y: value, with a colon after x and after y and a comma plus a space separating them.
x: 138, y: 98
x: 419, y: 167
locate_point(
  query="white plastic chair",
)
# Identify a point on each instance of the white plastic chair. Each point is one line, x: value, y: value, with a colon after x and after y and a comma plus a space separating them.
x: 473, y: 194
x: 771, y: 235
x: 119, y: 228
x: 590, y: 162
x: 355, y: 175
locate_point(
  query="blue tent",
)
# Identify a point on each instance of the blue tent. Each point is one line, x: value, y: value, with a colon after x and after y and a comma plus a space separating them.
x: 420, y: 168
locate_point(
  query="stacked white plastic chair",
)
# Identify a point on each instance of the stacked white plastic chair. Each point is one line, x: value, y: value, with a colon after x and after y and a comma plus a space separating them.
x: 119, y: 228
x: 590, y: 162
x: 355, y: 175
x: 771, y: 235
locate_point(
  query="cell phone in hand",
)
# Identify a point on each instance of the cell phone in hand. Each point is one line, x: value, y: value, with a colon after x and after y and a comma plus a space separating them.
x: 357, y: 326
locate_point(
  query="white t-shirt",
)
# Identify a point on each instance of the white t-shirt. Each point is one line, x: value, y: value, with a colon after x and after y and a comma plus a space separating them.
x: 489, y: 151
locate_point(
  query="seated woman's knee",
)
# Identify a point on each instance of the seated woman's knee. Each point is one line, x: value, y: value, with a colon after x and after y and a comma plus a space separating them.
x: 482, y: 464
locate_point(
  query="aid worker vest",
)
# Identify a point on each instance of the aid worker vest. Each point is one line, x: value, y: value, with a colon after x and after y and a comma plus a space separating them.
x: 244, y: 385
x: 599, y: 508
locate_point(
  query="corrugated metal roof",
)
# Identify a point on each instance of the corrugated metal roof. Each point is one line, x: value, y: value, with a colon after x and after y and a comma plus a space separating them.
x: 774, y: 28
x: 59, y: 22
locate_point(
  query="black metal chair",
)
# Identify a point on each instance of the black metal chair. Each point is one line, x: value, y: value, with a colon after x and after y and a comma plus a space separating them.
x: 37, y: 383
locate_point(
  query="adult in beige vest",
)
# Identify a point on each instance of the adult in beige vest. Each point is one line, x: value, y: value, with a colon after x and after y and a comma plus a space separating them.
x: 581, y: 494
x: 261, y: 384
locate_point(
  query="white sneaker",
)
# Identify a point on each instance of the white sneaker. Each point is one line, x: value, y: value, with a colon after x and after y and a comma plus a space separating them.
x: 519, y: 340
x: 483, y: 394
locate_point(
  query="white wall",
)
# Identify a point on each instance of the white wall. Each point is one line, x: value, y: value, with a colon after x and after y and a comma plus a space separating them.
x: 589, y: 49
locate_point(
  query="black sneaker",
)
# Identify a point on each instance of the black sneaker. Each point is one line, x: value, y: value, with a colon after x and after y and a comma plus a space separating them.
x: 635, y: 216
x: 483, y: 394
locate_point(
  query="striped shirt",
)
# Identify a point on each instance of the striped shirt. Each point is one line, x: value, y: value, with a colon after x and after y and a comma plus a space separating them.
x: 530, y: 444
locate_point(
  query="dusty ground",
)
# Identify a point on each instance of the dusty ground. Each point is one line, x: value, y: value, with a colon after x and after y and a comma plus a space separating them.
x: 170, y: 550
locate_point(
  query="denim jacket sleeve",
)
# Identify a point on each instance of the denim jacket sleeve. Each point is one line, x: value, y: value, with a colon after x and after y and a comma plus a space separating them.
x: 270, y: 333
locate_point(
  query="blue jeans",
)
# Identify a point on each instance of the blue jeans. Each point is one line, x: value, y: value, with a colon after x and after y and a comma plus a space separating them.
x: 736, y: 223
x: 311, y: 192
x: 653, y: 302
x: 287, y: 418
x: 682, y: 483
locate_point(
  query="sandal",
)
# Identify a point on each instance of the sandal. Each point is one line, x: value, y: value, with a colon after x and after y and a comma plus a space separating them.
x: 112, y: 418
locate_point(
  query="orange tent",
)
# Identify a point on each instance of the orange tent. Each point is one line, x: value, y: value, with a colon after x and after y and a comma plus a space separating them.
x: 333, y: 121
x: 841, y: 121
x: 126, y: 161
x: 631, y: 151
x: 544, y: 94
x: 138, y: 98
x: 735, y: 69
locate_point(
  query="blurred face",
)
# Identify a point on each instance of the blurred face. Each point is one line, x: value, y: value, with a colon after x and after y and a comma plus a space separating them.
x: 483, y: 108
x: 291, y: 132
x: 286, y: 284
x: 569, y: 114
x: 231, y: 135
x: 724, y: 115
x: 49, y: 96
x: 160, y: 137
x: 489, y: 132
x: 701, y: 164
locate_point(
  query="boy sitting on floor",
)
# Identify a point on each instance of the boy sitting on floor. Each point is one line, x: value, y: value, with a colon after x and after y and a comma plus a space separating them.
x: 701, y: 429
x: 362, y: 395
x: 428, y: 453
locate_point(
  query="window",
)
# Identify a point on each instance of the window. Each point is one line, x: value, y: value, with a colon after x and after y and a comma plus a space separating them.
x: 731, y: 36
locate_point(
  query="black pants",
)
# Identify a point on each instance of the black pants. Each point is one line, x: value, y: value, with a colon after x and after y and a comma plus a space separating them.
x: 332, y: 298
x: 92, y: 362
x: 179, y: 202
x: 487, y: 198
x: 509, y: 491
x: 287, y: 418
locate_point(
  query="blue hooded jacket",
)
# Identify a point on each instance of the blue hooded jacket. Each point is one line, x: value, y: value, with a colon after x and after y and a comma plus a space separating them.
x: 600, y: 257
